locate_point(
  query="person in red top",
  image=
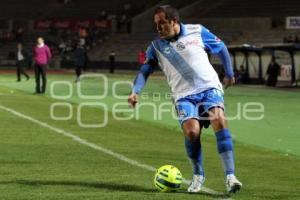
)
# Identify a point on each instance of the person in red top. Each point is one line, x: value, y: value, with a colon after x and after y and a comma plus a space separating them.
x: 142, y: 57
x: 42, y: 56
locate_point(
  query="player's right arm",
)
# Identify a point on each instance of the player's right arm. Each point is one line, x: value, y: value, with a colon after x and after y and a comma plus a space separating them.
x: 141, y: 78
x: 216, y: 46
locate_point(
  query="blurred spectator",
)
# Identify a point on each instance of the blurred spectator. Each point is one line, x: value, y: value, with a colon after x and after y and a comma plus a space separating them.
x: 291, y: 39
x: 141, y: 56
x: 19, y: 35
x: 242, y: 76
x: 62, y: 47
x: 80, y: 60
x: 112, y: 59
x: 82, y: 32
x: 82, y: 41
x: 121, y: 23
x: 273, y: 72
x: 22, y: 61
x: 298, y: 80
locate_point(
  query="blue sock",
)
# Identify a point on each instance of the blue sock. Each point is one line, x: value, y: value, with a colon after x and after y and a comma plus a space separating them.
x: 225, y: 149
x: 193, y: 149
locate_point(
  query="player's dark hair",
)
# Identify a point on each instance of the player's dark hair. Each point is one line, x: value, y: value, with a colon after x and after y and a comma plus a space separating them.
x: 171, y: 12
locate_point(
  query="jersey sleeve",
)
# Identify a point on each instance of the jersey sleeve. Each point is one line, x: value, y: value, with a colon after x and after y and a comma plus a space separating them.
x: 146, y: 69
x: 211, y: 42
x: 151, y: 58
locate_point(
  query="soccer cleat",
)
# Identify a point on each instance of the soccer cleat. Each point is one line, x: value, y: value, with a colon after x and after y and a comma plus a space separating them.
x: 232, y: 184
x: 196, y: 183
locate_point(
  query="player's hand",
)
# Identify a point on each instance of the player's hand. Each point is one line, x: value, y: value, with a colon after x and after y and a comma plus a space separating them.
x: 228, y: 82
x: 132, y: 99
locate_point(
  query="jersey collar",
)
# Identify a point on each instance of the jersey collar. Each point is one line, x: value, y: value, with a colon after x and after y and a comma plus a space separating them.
x: 182, y: 32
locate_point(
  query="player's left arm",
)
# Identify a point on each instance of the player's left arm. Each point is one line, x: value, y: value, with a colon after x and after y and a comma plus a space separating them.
x: 216, y: 46
x: 140, y: 81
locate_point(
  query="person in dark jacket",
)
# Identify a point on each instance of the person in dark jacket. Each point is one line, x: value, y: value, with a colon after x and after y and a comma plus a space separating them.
x: 80, y: 60
x: 21, y: 58
x: 273, y: 72
x: 112, y: 60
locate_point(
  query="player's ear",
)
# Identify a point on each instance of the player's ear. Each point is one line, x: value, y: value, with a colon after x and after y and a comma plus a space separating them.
x: 175, y: 21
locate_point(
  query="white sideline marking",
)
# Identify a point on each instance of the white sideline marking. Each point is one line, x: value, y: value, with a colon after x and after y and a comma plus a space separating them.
x: 98, y: 147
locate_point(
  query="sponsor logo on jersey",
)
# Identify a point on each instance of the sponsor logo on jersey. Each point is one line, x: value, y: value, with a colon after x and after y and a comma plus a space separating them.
x: 192, y: 43
x: 180, y: 46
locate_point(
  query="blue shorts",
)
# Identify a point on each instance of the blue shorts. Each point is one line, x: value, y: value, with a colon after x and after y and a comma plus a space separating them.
x: 197, y: 106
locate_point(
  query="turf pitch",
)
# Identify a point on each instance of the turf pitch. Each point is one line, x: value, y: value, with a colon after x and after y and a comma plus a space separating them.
x: 38, y: 163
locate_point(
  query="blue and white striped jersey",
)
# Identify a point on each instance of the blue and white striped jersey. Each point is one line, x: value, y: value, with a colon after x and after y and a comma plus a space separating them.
x: 185, y: 62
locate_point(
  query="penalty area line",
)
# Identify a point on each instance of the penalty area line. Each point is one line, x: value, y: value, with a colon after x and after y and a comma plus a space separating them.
x: 100, y: 148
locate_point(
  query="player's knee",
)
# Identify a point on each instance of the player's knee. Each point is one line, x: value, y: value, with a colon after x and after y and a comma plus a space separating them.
x: 191, y: 129
x: 192, y: 132
x: 219, y: 124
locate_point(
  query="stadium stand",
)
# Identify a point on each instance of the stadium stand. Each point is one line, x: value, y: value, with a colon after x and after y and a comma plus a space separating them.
x: 237, y: 22
x: 244, y: 8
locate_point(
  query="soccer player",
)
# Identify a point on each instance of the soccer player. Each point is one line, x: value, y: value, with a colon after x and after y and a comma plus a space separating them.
x: 180, y: 51
x: 42, y: 56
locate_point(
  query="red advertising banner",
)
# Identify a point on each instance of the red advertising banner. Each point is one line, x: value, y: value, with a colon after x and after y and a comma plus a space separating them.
x: 43, y: 24
x: 63, y: 24
x: 83, y: 23
x: 102, y: 23
x: 72, y: 24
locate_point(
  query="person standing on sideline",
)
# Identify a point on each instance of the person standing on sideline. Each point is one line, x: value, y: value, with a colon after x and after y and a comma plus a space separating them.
x: 112, y: 59
x: 22, y: 58
x: 80, y: 59
x: 142, y: 56
x: 273, y: 72
x: 42, y: 56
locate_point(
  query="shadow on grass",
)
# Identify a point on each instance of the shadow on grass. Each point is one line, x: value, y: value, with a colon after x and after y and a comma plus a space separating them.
x: 100, y: 185
x: 108, y: 186
x: 216, y: 195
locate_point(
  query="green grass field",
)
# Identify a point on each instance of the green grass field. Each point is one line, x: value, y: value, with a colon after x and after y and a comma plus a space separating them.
x: 42, y: 158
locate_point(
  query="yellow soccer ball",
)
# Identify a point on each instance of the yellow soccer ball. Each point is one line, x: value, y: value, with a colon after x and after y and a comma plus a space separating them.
x: 167, y: 178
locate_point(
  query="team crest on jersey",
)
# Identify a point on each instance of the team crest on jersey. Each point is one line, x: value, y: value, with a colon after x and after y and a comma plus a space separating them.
x: 180, y: 46
x: 167, y: 50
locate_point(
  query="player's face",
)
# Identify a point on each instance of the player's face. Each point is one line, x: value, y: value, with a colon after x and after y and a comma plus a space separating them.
x: 165, y: 28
